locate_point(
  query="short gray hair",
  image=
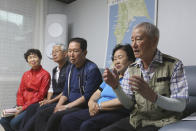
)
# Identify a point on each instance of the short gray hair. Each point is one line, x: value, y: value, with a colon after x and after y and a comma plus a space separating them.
x: 150, y: 29
x: 63, y: 46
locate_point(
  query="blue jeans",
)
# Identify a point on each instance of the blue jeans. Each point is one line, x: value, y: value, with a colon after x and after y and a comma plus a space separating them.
x: 12, y: 123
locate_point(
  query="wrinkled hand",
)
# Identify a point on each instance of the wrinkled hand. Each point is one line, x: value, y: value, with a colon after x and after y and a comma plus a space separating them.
x: 45, y: 101
x: 140, y: 86
x: 93, y: 108
x: 111, y: 78
x: 19, y: 110
x: 59, y: 108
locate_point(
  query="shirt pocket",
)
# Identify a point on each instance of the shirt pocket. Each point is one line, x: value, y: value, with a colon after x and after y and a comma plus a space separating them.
x: 162, y: 88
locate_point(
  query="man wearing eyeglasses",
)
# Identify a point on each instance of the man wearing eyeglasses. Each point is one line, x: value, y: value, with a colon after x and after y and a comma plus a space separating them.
x: 82, y: 79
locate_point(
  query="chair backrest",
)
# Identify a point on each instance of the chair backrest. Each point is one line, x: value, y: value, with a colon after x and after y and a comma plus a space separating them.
x: 190, y: 72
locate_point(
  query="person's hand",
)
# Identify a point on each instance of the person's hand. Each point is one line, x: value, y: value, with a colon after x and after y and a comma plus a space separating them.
x: 93, y: 108
x: 42, y: 102
x: 140, y: 86
x: 19, y: 110
x: 19, y: 107
x: 45, y: 101
x: 111, y: 78
x: 60, y: 108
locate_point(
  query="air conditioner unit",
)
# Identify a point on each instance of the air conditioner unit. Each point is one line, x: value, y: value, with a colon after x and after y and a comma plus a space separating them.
x: 66, y: 1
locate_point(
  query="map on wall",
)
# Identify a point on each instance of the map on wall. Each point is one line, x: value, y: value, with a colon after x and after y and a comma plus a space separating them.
x: 123, y: 16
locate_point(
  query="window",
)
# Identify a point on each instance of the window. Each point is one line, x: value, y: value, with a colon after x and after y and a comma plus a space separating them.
x: 17, y: 24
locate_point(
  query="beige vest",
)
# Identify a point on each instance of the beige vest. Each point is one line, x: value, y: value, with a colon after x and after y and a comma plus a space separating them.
x: 147, y: 113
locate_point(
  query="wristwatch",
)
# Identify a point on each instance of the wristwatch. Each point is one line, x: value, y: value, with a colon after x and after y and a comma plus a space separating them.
x: 99, y: 106
x: 66, y: 107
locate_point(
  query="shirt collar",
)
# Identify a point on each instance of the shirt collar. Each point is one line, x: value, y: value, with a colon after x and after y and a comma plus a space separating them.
x: 37, y: 70
x: 57, y: 69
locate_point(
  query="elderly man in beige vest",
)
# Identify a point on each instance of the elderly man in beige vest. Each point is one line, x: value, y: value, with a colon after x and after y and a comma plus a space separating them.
x: 155, y: 85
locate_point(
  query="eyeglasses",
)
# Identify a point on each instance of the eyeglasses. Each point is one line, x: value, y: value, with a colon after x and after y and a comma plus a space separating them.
x: 74, y: 51
x: 56, y: 51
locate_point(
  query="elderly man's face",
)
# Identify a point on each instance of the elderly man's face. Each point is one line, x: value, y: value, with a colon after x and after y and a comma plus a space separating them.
x: 143, y: 45
x: 57, y: 54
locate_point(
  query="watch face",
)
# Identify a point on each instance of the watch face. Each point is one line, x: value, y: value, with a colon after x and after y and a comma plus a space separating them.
x: 48, y: 50
x: 55, y: 29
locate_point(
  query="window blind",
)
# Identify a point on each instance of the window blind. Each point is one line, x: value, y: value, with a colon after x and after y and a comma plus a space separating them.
x: 17, y: 23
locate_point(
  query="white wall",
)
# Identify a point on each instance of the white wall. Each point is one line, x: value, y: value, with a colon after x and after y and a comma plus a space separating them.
x: 177, y: 24
x: 88, y: 19
x: 55, y: 7
x: 51, y: 7
x: 176, y: 21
